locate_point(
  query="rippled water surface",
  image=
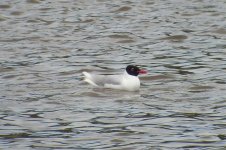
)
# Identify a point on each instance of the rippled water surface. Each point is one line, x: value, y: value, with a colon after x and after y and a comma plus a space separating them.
x: 45, y: 45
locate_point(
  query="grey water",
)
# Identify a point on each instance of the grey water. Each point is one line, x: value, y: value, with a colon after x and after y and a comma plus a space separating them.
x: 45, y: 45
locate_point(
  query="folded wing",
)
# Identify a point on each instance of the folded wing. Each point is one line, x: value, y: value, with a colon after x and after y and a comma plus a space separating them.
x: 102, y: 80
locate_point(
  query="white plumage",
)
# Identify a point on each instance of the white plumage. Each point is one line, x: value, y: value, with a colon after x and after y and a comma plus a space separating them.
x: 121, y: 82
x: 128, y: 81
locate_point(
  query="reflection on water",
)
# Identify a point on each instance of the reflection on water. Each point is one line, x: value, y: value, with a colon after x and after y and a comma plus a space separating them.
x: 45, y: 45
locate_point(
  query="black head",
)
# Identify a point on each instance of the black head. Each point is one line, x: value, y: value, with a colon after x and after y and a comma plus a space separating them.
x: 132, y: 70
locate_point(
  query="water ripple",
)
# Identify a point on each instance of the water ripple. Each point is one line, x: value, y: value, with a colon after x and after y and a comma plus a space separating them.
x: 46, y: 45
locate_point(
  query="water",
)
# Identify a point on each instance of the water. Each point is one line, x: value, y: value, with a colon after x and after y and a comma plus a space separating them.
x: 45, y: 45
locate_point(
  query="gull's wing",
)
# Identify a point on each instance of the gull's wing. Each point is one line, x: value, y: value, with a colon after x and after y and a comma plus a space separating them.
x: 102, y: 80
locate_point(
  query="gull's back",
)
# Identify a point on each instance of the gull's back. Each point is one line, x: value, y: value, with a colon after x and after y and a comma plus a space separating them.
x: 102, y: 80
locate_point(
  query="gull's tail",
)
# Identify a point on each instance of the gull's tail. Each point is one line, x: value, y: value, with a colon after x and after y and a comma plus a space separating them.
x: 88, y: 78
